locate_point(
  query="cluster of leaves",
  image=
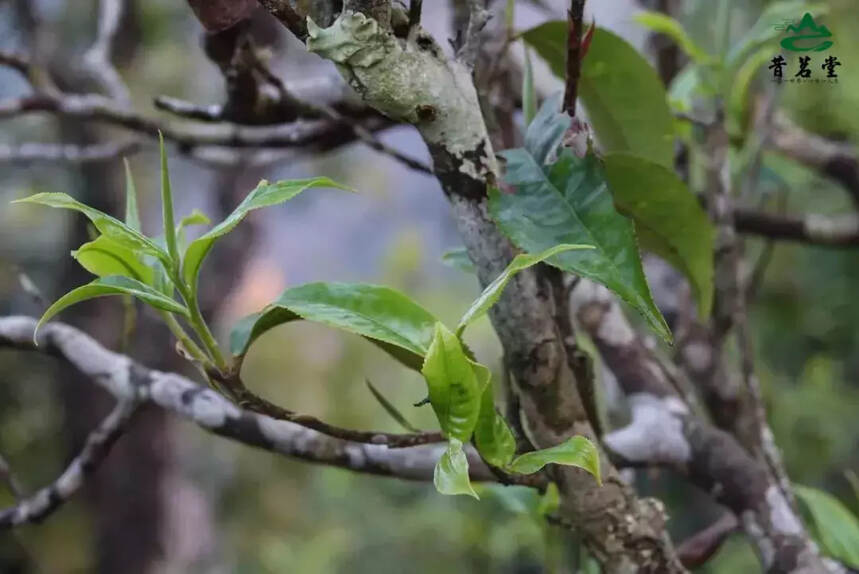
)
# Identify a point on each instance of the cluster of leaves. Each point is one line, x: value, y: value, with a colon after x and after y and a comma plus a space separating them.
x: 155, y: 270
x: 565, y: 198
x: 628, y: 195
x: 459, y: 388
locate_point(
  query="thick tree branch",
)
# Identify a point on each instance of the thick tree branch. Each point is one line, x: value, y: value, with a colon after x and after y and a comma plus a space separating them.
x: 412, y: 81
x: 129, y: 381
x: 664, y: 431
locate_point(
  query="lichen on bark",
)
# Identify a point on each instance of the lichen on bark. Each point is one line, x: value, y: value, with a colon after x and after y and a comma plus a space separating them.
x: 411, y: 80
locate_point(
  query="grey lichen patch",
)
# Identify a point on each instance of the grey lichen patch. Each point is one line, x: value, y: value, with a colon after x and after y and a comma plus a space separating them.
x: 410, y: 80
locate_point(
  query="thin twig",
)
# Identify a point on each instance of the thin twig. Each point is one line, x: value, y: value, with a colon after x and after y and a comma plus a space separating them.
x: 7, y: 477
x: 49, y: 499
x: 283, y: 11
x: 28, y: 153
x: 575, y: 20
x: 415, y: 13
x: 247, y: 399
x: 478, y: 17
x: 97, y: 58
x: 696, y: 550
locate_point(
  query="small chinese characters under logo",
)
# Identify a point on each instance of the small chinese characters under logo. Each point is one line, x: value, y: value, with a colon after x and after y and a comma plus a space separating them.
x: 806, y: 36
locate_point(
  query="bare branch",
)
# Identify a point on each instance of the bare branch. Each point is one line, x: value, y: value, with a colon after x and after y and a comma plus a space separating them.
x: 127, y: 381
x: 7, y: 477
x: 28, y: 153
x: 575, y: 20
x: 190, y: 110
x: 98, y: 444
x: 97, y: 60
x: 17, y: 62
x: 247, y: 399
x: 478, y: 17
x: 838, y: 160
x: 664, y: 431
x: 283, y: 11
x: 836, y: 231
x: 696, y: 550
x: 415, y: 7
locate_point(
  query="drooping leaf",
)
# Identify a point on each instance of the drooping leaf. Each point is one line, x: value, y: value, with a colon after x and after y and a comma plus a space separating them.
x: 492, y: 435
x: 576, y: 451
x: 568, y: 202
x: 104, y: 257
x: 623, y: 95
x: 663, y: 24
x: 668, y: 218
x: 132, y: 215
x: 390, y: 408
x: 455, y: 387
x: 266, y: 194
x: 836, y: 527
x: 107, y: 225
x: 167, y: 205
x: 113, y: 285
x: 385, y: 316
x: 493, y: 291
x: 458, y: 259
x: 529, y: 91
x: 451, y: 471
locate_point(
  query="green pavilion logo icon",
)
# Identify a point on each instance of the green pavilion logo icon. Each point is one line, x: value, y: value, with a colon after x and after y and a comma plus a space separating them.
x: 807, y: 36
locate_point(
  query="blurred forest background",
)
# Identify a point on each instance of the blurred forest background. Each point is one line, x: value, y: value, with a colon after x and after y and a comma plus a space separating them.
x: 172, y: 499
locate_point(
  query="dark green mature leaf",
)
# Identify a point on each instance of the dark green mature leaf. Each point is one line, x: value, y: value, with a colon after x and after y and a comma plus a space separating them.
x: 455, y: 384
x: 132, y: 216
x: 576, y: 451
x: 623, y: 95
x: 390, y: 408
x: 836, y: 527
x: 265, y: 195
x: 107, y: 225
x: 568, y: 202
x: 493, y: 291
x: 492, y: 436
x: 104, y: 257
x: 113, y: 285
x: 385, y: 316
x: 451, y: 471
x: 669, y: 219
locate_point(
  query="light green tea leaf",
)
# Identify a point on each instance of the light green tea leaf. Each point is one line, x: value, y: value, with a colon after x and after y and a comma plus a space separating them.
x: 576, y: 451
x: 493, y: 291
x: 112, y: 285
x: 451, y: 471
x: 265, y: 195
